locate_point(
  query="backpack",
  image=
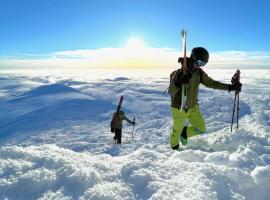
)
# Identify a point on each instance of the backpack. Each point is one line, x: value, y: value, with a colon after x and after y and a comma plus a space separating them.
x: 117, y: 120
x: 116, y: 116
x: 114, y: 122
x: 172, y: 89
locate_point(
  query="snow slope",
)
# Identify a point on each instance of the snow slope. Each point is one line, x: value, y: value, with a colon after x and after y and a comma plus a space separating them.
x: 56, y: 142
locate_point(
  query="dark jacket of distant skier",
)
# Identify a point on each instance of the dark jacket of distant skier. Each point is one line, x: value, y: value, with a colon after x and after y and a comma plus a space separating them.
x: 198, y: 58
x: 117, y: 127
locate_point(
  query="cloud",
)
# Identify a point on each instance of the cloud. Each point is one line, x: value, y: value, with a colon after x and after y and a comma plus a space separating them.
x: 122, y: 57
x: 241, y: 59
x: 128, y: 57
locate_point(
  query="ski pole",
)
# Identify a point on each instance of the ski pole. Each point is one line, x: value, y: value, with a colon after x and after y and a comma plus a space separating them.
x: 165, y: 91
x: 133, y: 126
x: 236, y: 79
x: 238, y: 109
x: 233, y: 111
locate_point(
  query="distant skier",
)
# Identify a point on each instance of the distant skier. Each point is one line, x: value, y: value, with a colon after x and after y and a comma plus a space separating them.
x: 198, y: 58
x: 117, y: 124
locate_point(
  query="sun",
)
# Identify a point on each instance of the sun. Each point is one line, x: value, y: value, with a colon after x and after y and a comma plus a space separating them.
x: 135, y: 42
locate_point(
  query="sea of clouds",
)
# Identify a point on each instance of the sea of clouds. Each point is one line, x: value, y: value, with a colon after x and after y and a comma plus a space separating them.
x: 56, y: 141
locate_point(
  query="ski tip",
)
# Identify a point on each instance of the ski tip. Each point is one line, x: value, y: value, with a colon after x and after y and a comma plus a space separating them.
x: 183, y: 32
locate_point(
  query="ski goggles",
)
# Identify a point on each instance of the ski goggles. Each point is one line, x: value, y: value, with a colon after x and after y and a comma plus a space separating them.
x: 200, y: 63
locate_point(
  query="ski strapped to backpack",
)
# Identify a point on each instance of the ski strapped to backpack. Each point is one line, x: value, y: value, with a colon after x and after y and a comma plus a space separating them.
x: 235, y: 80
x: 185, y: 71
x: 116, y: 116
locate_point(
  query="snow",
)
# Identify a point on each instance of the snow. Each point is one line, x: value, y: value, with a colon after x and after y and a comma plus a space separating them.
x: 56, y: 142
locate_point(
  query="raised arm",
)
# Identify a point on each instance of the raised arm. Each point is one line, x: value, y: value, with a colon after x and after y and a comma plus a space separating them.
x: 127, y: 119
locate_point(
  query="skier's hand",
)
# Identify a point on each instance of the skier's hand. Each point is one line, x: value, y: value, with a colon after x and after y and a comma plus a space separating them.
x: 237, y: 86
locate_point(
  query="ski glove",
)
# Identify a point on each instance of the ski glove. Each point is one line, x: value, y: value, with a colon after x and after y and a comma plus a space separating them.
x: 236, y: 86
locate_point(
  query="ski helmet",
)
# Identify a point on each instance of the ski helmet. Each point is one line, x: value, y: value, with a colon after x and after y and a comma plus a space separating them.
x: 122, y: 114
x: 199, y: 53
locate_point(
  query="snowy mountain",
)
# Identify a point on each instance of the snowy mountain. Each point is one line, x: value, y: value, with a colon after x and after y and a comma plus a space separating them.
x: 56, y: 142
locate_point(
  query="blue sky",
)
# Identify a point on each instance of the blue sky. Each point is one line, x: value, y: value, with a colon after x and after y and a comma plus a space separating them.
x: 39, y: 27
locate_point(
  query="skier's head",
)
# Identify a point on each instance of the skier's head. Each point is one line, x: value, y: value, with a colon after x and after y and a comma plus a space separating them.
x: 200, y: 56
x: 121, y: 113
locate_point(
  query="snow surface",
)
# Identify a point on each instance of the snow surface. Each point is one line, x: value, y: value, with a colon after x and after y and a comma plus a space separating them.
x: 56, y: 142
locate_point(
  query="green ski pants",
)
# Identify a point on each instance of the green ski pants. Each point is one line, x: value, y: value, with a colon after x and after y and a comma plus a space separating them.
x: 196, y: 127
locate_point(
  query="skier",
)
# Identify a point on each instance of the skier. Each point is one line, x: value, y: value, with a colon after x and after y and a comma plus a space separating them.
x: 116, y: 126
x: 198, y: 58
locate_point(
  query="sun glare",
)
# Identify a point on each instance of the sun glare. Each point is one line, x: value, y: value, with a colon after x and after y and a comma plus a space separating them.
x: 135, y: 43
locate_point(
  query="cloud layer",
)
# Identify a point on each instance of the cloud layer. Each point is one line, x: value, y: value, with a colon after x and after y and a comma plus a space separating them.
x: 128, y: 57
x: 62, y: 147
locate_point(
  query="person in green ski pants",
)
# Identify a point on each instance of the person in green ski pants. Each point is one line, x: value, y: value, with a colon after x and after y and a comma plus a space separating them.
x: 198, y: 58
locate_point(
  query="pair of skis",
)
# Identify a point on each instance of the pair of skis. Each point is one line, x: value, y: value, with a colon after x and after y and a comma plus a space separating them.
x: 184, y: 69
x: 184, y: 105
